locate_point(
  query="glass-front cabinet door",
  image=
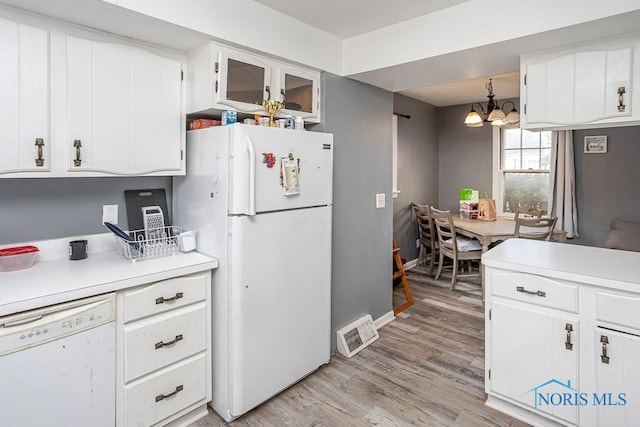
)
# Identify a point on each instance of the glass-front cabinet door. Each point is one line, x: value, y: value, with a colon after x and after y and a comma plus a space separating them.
x: 243, y: 82
x: 300, y: 91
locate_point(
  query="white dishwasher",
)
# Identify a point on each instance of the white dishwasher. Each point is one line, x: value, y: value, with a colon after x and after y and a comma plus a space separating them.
x: 57, y: 365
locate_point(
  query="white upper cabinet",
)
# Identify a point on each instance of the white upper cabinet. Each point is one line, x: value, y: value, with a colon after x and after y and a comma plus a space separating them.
x: 75, y: 103
x: 123, y: 106
x: 300, y: 90
x: 221, y: 78
x: 590, y: 86
x: 24, y: 99
x: 244, y: 81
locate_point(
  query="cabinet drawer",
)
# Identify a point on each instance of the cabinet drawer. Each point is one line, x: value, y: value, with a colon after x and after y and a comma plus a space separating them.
x: 534, y: 289
x: 158, y: 341
x: 619, y: 309
x: 151, y: 400
x: 162, y: 296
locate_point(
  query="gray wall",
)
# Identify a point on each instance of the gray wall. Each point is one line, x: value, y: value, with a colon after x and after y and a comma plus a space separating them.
x: 359, y: 116
x: 417, y: 168
x: 607, y: 184
x: 49, y: 208
x: 465, y: 156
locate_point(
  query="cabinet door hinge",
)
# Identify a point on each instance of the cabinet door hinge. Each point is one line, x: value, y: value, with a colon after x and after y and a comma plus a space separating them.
x: 525, y: 79
x: 216, y: 67
x: 181, y: 75
x: 181, y: 154
x: 489, y: 373
x: 525, y: 108
x: 489, y: 314
x: 216, y: 86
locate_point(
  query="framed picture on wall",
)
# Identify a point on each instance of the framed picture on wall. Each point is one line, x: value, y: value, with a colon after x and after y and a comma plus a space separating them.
x: 595, y: 144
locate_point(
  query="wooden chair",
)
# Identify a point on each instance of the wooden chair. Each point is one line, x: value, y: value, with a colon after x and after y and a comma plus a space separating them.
x: 451, y: 245
x: 428, y: 236
x: 527, y: 212
x: 535, y: 228
x: 400, y: 274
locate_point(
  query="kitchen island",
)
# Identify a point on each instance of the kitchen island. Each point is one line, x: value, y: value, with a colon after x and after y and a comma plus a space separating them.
x: 562, y: 329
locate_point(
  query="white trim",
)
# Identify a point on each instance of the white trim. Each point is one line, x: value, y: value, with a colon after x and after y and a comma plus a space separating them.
x: 410, y: 264
x: 384, y: 320
x: 394, y: 156
x: 496, y: 176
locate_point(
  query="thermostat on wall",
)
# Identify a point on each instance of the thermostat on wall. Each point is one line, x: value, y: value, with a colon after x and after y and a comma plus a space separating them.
x: 356, y: 336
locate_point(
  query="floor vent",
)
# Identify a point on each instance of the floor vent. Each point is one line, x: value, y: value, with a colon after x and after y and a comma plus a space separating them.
x: 356, y: 336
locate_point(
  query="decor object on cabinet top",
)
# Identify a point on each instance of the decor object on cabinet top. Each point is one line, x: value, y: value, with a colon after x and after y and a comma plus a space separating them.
x: 272, y: 106
x: 595, y: 144
x: 494, y: 114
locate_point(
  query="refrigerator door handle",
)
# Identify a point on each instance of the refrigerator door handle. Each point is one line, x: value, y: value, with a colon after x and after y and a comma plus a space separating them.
x: 252, y: 176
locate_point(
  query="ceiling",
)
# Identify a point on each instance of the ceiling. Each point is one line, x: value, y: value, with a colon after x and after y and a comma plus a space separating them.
x: 434, y: 80
x: 349, y: 18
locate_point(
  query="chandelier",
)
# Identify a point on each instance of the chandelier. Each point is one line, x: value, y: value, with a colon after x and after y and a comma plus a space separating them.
x: 495, y: 115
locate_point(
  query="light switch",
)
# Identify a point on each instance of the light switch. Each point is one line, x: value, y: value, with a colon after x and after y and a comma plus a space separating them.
x: 110, y: 214
x: 380, y: 201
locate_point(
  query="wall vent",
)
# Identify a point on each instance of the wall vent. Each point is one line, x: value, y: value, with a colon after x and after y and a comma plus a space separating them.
x: 356, y: 336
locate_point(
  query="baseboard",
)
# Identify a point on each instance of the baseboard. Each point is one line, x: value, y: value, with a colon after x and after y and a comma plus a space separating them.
x: 410, y: 264
x: 385, y: 319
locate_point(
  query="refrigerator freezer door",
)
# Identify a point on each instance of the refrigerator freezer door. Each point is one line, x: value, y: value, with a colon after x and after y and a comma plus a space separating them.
x: 280, y: 323
x: 256, y: 187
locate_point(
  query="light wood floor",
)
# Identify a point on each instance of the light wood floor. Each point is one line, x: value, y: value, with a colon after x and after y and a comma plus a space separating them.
x: 427, y: 369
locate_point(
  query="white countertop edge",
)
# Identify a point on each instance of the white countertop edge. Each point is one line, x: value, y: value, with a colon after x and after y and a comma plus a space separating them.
x: 54, y: 279
x: 608, y: 268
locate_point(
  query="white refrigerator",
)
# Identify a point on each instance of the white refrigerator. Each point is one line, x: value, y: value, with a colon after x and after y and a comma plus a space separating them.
x: 260, y: 199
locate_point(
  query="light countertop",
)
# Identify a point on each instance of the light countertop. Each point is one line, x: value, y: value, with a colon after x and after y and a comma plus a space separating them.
x: 584, y: 264
x: 53, y: 278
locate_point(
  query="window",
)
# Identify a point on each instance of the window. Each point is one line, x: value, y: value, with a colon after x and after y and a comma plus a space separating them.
x: 522, y: 160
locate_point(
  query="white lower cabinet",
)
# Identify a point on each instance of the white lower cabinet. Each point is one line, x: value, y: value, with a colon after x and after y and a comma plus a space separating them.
x: 533, y: 341
x: 560, y: 352
x: 165, y: 393
x: 617, y: 377
x: 163, y: 348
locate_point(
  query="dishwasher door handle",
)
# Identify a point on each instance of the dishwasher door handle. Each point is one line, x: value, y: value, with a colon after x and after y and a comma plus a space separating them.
x: 22, y: 321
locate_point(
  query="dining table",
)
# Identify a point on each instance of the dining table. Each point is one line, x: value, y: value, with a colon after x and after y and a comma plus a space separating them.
x: 488, y: 232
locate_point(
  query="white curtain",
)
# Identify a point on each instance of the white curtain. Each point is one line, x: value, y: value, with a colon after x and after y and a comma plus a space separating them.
x: 562, y: 197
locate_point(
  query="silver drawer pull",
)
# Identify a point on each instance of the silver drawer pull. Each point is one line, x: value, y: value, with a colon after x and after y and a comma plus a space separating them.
x: 173, y: 393
x: 568, y: 344
x: 162, y: 300
x: 621, y: 91
x: 605, y: 341
x: 166, y: 344
x: 525, y: 291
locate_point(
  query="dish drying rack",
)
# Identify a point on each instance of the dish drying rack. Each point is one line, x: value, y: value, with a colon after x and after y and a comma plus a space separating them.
x: 151, y: 243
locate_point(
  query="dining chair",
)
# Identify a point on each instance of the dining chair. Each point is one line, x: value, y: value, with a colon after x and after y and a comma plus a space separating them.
x: 527, y: 212
x: 535, y: 228
x: 428, y: 236
x: 457, y: 248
